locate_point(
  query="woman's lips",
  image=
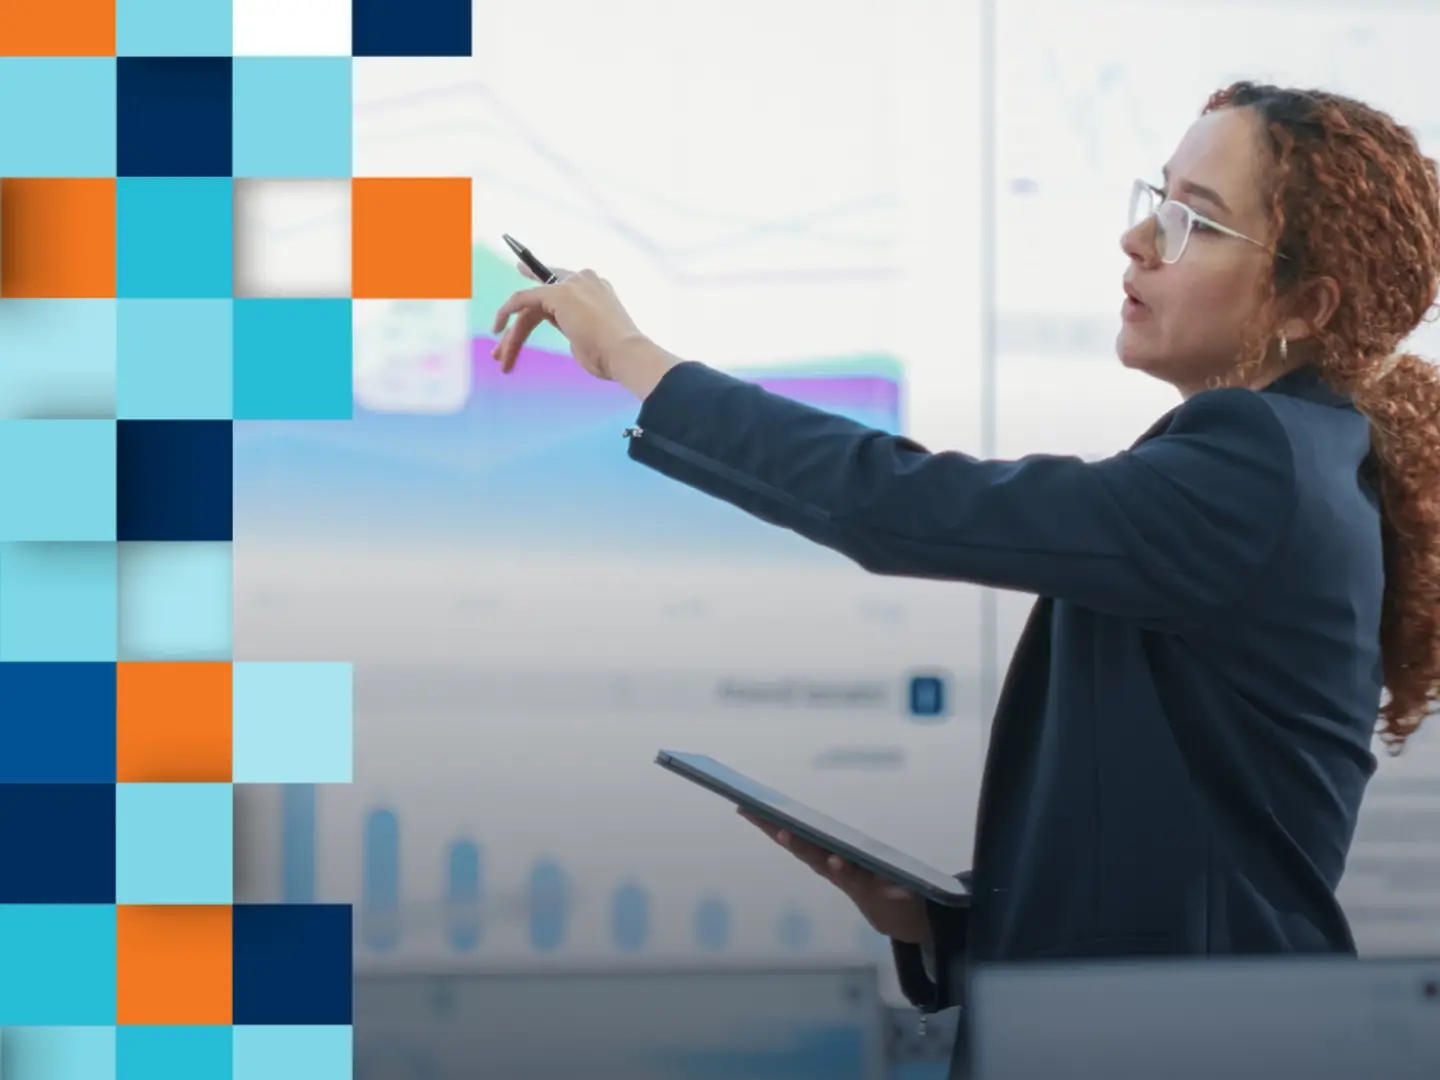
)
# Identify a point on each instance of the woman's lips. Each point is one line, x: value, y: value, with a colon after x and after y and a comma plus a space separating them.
x: 1133, y: 307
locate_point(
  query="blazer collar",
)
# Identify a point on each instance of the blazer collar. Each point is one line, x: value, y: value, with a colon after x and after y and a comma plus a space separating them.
x: 1304, y: 383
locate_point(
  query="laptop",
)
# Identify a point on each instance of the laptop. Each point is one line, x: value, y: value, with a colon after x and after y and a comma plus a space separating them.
x: 1331, y: 1018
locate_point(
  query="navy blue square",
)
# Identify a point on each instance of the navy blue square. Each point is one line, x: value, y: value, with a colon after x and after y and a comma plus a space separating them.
x: 172, y: 116
x: 57, y: 723
x: 173, y: 480
x: 292, y: 964
x: 57, y: 845
x: 410, y: 28
x: 927, y: 697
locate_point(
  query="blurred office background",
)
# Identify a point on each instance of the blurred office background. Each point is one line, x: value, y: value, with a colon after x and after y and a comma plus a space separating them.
x: 905, y: 210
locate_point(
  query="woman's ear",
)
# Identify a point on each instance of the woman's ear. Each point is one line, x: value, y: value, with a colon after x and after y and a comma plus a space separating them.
x: 1311, y: 307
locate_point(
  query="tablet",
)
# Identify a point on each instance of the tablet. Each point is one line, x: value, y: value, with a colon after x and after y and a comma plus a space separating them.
x: 819, y: 829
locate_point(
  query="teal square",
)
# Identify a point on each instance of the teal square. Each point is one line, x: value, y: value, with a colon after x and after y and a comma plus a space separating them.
x: 293, y: 116
x: 294, y: 1052
x: 294, y: 360
x: 57, y: 480
x: 59, y: 360
x: 174, y: 236
x: 174, y: 360
x: 174, y: 843
x: 59, y: 965
x: 293, y: 723
x: 57, y: 1053
x: 190, y: 1052
x: 173, y: 28
x: 176, y: 601
x: 57, y: 603
x: 59, y: 116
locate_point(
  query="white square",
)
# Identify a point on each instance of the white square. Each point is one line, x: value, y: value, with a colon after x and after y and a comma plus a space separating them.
x: 417, y: 116
x: 292, y: 27
x: 292, y: 238
x: 413, y: 356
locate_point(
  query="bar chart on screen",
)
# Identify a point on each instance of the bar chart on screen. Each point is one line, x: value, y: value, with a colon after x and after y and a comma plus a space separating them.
x: 613, y: 863
x: 462, y: 910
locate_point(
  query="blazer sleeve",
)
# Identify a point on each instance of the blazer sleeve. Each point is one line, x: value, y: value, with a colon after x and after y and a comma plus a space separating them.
x: 943, y: 986
x: 1166, y: 533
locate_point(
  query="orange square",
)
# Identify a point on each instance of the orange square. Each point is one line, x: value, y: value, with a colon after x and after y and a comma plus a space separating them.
x: 57, y: 28
x: 57, y: 238
x: 173, y: 723
x: 410, y: 239
x: 173, y: 965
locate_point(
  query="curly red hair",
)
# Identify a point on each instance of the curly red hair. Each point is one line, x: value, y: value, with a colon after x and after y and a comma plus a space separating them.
x: 1354, y: 199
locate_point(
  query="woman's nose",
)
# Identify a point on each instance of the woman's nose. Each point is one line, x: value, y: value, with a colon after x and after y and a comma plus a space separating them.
x: 1138, y: 242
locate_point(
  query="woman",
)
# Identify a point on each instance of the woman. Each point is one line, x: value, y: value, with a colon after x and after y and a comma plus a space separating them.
x: 1180, y: 750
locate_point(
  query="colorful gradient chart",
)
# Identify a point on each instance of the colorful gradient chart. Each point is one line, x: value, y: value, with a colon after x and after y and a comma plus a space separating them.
x: 448, y: 446
x: 139, y: 140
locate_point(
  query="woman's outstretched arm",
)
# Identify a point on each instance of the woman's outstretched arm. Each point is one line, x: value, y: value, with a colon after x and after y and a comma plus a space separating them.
x: 1181, y: 526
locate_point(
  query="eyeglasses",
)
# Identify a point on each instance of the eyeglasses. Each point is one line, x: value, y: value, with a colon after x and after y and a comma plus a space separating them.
x: 1174, y: 222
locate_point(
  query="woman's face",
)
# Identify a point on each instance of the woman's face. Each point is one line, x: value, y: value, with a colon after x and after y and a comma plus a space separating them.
x: 1184, y: 322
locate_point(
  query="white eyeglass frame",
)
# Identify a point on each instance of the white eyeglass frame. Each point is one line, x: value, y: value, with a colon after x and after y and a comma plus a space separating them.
x: 1143, y: 189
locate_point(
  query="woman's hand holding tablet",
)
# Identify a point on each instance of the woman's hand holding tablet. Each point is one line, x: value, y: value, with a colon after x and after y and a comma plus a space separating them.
x: 892, y: 910
x: 889, y: 887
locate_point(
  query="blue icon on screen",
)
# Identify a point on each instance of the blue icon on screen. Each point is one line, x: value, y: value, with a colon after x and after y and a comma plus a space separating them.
x: 928, y: 698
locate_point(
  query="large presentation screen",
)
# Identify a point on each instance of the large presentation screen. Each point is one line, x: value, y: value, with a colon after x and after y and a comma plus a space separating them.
x: 797, y: 193
x: 784, y: 191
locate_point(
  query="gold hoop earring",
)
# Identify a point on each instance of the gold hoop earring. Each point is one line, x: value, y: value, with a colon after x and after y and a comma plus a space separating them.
x: 1284, y: 348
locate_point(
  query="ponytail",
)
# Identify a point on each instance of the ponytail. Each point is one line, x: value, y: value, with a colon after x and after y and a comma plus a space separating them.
x: 1403, y: 404
x: 1355, y: 200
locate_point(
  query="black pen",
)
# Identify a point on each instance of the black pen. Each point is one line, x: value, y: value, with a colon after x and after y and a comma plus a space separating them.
x: 535, y: 266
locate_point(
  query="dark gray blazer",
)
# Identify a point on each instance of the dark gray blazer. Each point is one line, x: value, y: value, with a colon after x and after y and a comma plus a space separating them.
x: 1181, y: 745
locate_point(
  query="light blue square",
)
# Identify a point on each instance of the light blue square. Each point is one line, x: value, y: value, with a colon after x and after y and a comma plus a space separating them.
x: 57, y: 1053
x: 294, y: 1052
x: 174, y: 360
x: 293, y: 116
x: 174, y: 236
x: 294, y: 360
x: 57, y: 479
x: 173, y: 1053
x: 293, y: 723
x: 59, y: 964
x: 59, y: 359
x: 173, y: 28
x: 174, y: 843
x: 57, y: 603
x: 176, y: 601
x: 59, y: 117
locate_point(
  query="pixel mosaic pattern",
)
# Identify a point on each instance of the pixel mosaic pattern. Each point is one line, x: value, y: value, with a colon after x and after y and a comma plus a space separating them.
x: 137, y: 322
